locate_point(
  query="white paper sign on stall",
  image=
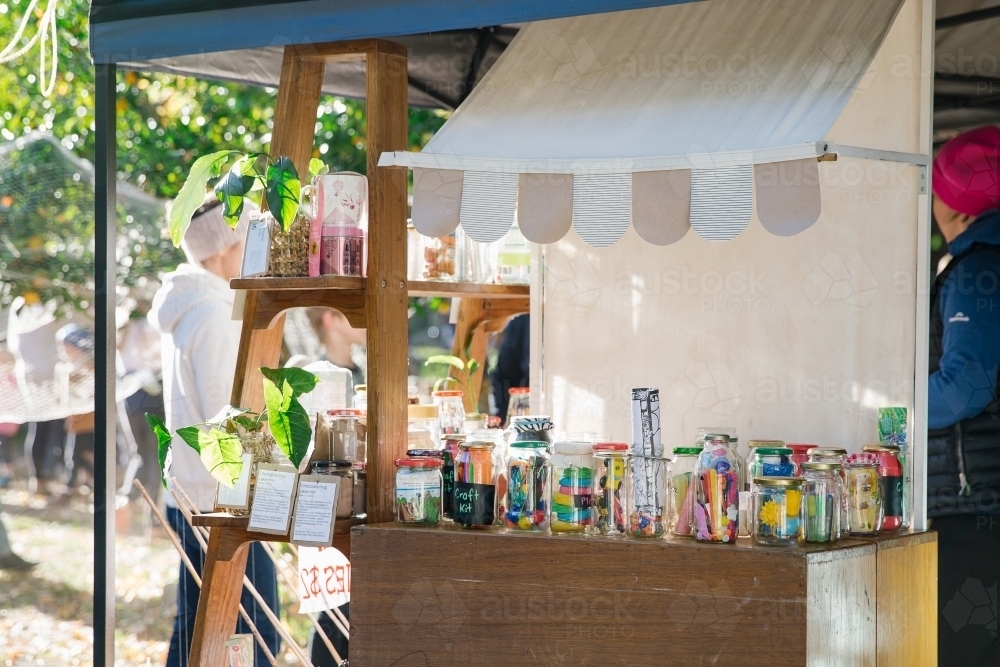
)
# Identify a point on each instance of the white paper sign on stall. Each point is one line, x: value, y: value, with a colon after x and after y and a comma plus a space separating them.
x: 324, y: 579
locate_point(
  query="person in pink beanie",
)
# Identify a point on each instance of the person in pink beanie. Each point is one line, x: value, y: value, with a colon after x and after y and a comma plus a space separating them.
x: 963, y: 444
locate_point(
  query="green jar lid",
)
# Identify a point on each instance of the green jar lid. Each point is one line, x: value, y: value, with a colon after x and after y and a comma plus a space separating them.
x: 773, y: 451
x: 687, y: 451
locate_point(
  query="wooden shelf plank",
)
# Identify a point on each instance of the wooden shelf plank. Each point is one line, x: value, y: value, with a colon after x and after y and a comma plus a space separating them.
x: 415, y: 287
x: 224, y: 520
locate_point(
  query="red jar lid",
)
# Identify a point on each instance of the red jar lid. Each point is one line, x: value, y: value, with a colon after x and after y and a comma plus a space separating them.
x: 800, y: 447
x: 610, y: 447
x: 418, y: 463
x: 449, y: 392
x: 513, y: 391
x: 345, y: 412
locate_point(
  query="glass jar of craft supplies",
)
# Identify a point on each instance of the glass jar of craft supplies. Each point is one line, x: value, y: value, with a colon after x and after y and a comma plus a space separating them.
x: 476, y: 476
x: 838, y: 456
x: 532, y: 428
x: 451, y: 411
x: 770, y: 462
x: 440, y: 261
x: 519, y: 403
x: 680, y: 490
x: 526, y: 506
x: 449, y: 456
x: 418, y: 491
x: 611, y: 488
x: 648, y: 498
x: 823, y: 501
x: 777, y: 510
x: 572, y: 482
x: 716, y: 498
x: 864, y: 498
x: 891, y: 482
x: 753, y: 445
x: 345, y: 486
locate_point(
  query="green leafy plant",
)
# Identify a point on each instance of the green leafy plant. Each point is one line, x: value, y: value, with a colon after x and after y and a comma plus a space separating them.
x: 466, y: 369
x: 219, y: 446
x: 250, y: 173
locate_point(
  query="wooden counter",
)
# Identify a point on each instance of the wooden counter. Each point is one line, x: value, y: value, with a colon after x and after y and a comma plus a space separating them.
x: 439, y: 597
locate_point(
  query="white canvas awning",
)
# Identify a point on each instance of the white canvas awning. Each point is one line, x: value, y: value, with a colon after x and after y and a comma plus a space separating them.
x: 665, y: 118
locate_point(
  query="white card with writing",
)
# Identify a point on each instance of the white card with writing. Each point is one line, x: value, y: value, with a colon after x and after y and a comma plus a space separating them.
x: 314, y: 511
x: 324, y: 579
x: 237, y: 497
x: 258, y: 248
x: 272, y: 499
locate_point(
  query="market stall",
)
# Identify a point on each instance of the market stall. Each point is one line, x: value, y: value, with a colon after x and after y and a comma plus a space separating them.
x: 668, y: 163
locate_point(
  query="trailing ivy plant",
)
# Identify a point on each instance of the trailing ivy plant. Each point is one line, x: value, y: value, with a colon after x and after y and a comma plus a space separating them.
x: 250, y: 174
x: 219, y: 446
x: 466, y: 368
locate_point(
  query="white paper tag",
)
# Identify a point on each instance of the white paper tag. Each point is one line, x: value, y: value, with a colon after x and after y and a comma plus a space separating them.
x: 314, y: 511
x: 324, y: 579
x: 236, y: 497
x: 257, y: 250
x: 272, y: 499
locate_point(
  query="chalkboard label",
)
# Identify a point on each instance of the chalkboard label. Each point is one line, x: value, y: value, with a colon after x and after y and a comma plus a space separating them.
x: 474, y: 504
x: 892, y: 495
x: 448, y: 489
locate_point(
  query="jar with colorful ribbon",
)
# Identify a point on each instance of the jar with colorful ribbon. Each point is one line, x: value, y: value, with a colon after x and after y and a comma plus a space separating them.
x: 572, y: 465
x: 777, y: 510
x: 526, y: 506
x: 611, y: 488
x: 717, y: 504
x: 680, y: 490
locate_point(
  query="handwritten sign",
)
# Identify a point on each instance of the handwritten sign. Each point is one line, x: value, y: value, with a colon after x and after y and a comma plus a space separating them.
x: 272, y: 499
x: 257, y: 251
x: 474, y: 504
x: 324, y: 579
x: 314, y: 511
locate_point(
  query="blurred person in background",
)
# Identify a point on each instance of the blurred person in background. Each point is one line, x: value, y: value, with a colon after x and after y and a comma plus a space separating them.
x: 963, y: 443
x: 513, y: 362
x: 8, y: 559
x: 75, y: 348
x: 192, y: 311
x: 343, y: 345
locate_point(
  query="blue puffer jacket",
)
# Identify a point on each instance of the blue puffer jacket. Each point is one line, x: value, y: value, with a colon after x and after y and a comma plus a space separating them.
x: 964, y: 437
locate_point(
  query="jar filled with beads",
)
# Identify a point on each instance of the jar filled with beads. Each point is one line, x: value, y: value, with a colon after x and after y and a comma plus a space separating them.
x: 891, y: 480
x: 777, y: 510
x: 418, y: 491
x: 753, y: 445
x: 648, y: 498
x: 680, y: 490
x: 526, y: 506
x: 864, y: 497
x: 450, y: 411
x: 770, y: 462
x: 572, y: 483
x: 823, y: 501
x: 611, y: 488
x: 716, y: 498
x: 476, y: 475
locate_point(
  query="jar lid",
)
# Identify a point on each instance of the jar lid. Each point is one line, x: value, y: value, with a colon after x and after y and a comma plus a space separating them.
x: 773, y: 451
x: 454, y: 437
x: 687, y: 451
x: 422, y: 411
x: 862, y: 464
x: 515, y: 391
x: 716, y: 436
x: 330, y: 465
x: 569, y: 448
x: 881, y: 448
x: 418, y: 463
x: 360, y: 387
x: 529, y: 444
x: 820, y: 465
x: 827, y: 451
x: 478, y: 444
x: 425, y: 453
x: 532, y: 423
x: 610, y: 447
x: 799, y: 447
x: 765, y: 443
x: 449, y: 393
x: 345, y: 412
x: 786, y: 482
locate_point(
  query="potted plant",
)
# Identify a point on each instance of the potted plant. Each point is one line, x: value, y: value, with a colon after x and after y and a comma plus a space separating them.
x: 222, y: 440
x: 467, y: 369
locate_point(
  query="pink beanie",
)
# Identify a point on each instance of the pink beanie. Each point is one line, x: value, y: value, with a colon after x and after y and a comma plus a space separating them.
x: 967, y: 171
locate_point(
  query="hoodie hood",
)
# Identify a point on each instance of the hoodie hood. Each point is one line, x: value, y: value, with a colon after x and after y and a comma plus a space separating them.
x: 186, y: 289
x: 985, y: 229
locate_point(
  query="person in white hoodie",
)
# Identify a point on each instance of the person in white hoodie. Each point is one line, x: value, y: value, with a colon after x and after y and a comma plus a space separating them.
x: 199, y: 339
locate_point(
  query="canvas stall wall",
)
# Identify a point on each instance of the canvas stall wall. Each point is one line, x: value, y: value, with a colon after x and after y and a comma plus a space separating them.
x: 799, y: 338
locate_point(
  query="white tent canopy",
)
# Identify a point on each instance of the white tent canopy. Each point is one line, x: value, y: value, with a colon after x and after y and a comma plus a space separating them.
x: 665, y: 119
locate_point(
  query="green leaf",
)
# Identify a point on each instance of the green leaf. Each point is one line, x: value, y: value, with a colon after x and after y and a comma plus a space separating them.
x: 282, y: 190
x: 472, y: 365
x: 248, y: 423
x: 445, y: 359
x: 192, y: 193
x: 226, y: 414
x: 192, y: 435
x: 301, y: 381
x: 163, y: 442
x: 317, y: 167
x: 222, y: 456
x: 232, y: 189
x: 289, y: 421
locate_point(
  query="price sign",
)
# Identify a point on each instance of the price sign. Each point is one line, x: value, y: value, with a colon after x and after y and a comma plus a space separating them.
x: 324, y: 579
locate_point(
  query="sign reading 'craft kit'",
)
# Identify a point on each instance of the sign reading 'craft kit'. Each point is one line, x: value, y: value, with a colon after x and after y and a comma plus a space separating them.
x: 474, y: 504
x: 324, y: 579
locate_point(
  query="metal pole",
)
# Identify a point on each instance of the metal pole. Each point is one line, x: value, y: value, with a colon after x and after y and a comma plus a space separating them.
x: 105, y: 229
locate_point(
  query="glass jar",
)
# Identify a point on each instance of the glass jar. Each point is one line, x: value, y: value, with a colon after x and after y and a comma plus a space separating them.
x: 532, y: 428
x: 418, y: 491
x: 706, y: 432
x: 451, y: 411
x: 519, y: 403
x: 680, y: 490
x: 716, y: 499
x: 360, y: 488
x: 513, y: 258
x: 838, y: 456
x: 476, y: 476
x: 611, y: 488
x: 477, y: 262
x: 361, y: 397
x: 345, y: 487
x: 648, y: 499
x: 475, y: 421
x: 342, y: 251
x: 777, y: 510
x: 448, y: 458
x: 770, y: 462
x: 346, y: 434
x: 423, y: 416
x: 864, y: 498
x: 439, y: 258
x: 752, y: 445
x: 572, y: 487
x: 823, y: 501
x: 891, y: 483
x: 800, y: 453
x: 414, y: 253
x: 526, y: 505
